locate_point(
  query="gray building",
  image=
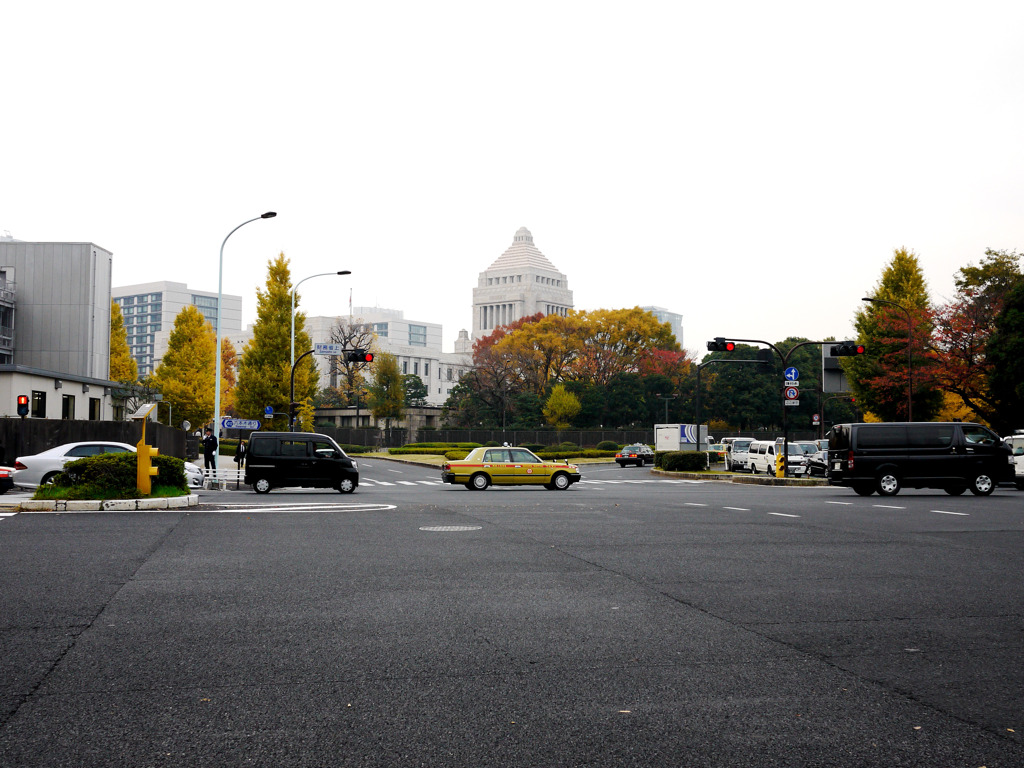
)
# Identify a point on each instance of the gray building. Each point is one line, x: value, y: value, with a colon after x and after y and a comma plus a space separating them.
x: 55, y: 328
x: 672, y: 318
x: 521, y: 282
x: 150, y: 310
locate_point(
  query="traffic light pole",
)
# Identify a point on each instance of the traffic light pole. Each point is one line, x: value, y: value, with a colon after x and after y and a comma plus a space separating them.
x: 291, y: 392
x: 785, y: 364
x: 696, y: 403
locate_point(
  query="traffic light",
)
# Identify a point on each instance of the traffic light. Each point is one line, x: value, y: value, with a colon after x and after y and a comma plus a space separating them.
x: 293, y: 412
x: 765, y: 360
x: 23, y: 405
x: 359, y: 356
x: 721, y: 345
x: 847, y: 348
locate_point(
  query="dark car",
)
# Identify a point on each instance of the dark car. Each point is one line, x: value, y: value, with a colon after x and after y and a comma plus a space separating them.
x: 298, y: 459
x: 635, y: 454
x: 886, y: 457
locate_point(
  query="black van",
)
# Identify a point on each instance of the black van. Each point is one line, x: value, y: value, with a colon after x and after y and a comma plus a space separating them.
x: 303, y: 459
x: 889, y: 456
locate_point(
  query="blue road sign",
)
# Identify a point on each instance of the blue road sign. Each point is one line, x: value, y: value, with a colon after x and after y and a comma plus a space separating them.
x: 792, y: 374
x: 269, y: 411
x: 240, y: 423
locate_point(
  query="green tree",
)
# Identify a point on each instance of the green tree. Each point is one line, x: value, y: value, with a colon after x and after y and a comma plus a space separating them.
x: 122, y: 365
x: 1005, y: 351
x: 881, y: 378
x: 561, y: 407
x: 415, y: 391
x: 186, y: 373
x: 387, y: 392
x: 264, y: 371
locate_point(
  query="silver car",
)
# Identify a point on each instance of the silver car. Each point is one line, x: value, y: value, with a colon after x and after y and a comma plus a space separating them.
x: 40, y: 469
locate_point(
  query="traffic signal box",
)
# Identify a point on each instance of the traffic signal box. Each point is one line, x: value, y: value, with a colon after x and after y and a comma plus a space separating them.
x: 721, y: 345
x: 23, y: 405
x: 359, y: 356
x: 780, y: 461
x: 145, y: 471
x: 847, y: 348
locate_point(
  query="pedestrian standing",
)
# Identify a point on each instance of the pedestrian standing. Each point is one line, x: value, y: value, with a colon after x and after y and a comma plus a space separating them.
x: 210, y: 449
x: 240, y: 454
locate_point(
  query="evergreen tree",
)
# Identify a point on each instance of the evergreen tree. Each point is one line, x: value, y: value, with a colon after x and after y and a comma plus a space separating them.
x: 264, y: 371
x: 1005, y: 351
x: 123, y: 367
x: 185, y: 375
x: 882, y: 378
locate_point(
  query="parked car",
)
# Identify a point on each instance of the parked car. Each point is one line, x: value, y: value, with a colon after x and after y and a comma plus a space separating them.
x: 763, y: 453
x: 1016, y: 443
x: 737, y: 453
x: 887, y: 457
x: 298, y: 459
x: 6, y: 479
x: 717, y: 453
x: 635, y: 454
x: 41, y: 468
x: 508, y: 466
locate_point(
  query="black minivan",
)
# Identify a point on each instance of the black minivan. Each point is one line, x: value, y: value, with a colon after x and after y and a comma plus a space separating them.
x: 886, y: 457
x: 298, y: 459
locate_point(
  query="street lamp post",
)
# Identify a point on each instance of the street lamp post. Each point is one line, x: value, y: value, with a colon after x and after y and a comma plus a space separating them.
x: 294, y: 289
x: 910, y: 351
x: 667, y: 399
x: 220, y: 313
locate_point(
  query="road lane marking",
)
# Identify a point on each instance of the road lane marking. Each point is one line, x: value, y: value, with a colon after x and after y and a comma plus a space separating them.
x: 737, y: 509
x: 844, y: 503
x: 782, y: 514
x: 885, y: 506
x: 943, y: 512
x: 405, y: 482
x: 693, y: 504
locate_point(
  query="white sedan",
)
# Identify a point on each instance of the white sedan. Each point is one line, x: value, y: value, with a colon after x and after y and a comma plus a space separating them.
x: 40, y: 469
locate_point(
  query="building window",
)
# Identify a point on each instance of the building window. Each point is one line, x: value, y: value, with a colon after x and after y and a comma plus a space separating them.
x: 417, y: 335
x: 381, y: 329
x: 426, y: 370
x: 67, y: 407
x: 449, y: 374
x: 405, y: 367
x: 38, y: 404
x: 95, y: 409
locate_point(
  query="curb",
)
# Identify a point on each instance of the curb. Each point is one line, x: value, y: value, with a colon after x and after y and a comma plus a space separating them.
x: 799, y: 482
x: 110, y: 505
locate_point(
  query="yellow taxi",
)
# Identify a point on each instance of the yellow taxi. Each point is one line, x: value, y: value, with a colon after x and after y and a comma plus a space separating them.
x: 508, y: 466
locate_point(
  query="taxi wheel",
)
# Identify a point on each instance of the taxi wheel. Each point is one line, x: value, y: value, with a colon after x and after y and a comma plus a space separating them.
x: 479, y: 482
x: 560, y: 481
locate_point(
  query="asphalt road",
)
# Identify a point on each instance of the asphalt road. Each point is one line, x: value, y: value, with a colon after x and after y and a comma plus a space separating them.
x: 628, y: 621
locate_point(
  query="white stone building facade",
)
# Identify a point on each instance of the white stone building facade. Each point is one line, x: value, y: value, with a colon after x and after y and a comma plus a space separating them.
x: 521, y: 282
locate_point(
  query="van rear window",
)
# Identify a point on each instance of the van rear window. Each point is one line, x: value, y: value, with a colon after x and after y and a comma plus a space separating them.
x: 871, y: 436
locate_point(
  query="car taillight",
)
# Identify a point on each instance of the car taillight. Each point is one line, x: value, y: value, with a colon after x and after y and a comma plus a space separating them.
x: 19, y: 465
x: 849, y: 459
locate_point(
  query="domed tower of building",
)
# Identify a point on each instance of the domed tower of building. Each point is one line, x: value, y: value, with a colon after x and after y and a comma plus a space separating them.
x: 521, y: 282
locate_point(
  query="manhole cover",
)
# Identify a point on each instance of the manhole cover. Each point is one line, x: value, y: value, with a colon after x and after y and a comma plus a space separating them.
x: 446, y: 528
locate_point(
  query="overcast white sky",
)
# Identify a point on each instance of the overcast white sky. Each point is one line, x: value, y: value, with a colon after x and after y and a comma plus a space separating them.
x: 750, y: 165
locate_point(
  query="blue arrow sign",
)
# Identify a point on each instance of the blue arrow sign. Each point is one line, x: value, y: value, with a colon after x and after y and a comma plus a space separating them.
x: 269, y: 411
x: 792, y: 374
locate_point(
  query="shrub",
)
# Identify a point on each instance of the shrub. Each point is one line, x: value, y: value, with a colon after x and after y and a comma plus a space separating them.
x: 608, y: 445
x: 456, y: 455
x: 112, y: 475
x: 535, y: 447
x: 683, y: 461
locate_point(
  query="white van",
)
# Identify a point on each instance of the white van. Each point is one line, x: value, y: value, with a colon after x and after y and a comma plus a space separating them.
x: 736, y: 453
x: 761, y: 458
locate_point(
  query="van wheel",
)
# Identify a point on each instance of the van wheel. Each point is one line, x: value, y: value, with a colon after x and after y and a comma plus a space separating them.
x: 888, y: 484
x: 955, y: 490
x: 479, y: 482
x: 346, y: 486
x: 982, y: 485
x: 261, y: 486
x: 862, y: 489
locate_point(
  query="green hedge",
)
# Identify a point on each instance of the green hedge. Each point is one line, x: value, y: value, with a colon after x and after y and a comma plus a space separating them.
x: 589, y: 453
x: 116, y: 473
x: 467, y: 446
x: 681, y: 461
x: 439, y: 451
x: 456, y: 455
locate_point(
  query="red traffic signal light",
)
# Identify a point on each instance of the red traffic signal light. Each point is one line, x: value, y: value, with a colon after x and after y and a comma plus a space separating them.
x: 847, y: 348
x: 23, y: 405
x: 359, y: 356
x: 721, y: 345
